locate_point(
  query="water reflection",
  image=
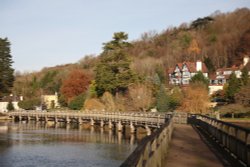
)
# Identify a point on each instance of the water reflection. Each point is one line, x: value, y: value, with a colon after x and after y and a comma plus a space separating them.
x: 60, y: 144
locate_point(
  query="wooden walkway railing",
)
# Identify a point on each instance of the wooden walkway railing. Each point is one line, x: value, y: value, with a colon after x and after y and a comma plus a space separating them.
x: 152, y: 150
x: 234, y: 139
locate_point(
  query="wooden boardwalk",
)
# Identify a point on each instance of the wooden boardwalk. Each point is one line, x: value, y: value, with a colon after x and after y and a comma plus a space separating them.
x: 188, y: 150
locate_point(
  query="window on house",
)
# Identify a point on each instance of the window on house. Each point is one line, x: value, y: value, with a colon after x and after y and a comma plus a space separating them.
x: 185, y: 81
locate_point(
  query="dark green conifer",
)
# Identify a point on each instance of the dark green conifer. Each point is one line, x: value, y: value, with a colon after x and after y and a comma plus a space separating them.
x: 6, y: 70
x: 113, y: 73
x: 233, y: 87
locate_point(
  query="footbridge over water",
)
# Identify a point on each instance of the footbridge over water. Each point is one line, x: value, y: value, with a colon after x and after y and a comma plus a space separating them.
x: 110, y: 119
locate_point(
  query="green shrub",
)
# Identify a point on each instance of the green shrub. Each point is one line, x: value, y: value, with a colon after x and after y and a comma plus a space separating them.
x: 29, y: 104
x: 10, y: 106
x: 77, y: 102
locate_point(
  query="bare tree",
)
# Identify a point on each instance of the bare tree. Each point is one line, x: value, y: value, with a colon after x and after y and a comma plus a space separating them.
x: 141, y: 95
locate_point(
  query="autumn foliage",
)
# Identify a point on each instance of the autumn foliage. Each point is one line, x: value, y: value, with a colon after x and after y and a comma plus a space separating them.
x: 196, y: 99
x: 75, y: 84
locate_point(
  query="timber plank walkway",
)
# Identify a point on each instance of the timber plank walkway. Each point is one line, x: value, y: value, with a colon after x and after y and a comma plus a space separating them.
x: 188, y: 150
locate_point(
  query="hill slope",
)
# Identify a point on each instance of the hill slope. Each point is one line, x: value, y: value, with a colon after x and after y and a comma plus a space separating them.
x: 224, y: 38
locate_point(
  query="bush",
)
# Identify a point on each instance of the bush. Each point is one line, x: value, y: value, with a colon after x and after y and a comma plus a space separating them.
x: 77, y: 102
x: 10, y: 106
x: 29, y: 104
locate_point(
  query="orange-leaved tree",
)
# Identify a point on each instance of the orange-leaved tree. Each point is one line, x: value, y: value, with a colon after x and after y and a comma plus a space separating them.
x: 196, y: 99
x: 75, y: 84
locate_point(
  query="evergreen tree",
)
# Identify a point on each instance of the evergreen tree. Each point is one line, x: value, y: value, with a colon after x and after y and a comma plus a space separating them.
x: 77, y: 102
x: 113, y: 73
x: 10, y: 106
x: 6, y: 70
x: 162, y: 100
x: 161, y: 74
x: 233, y: 87
x: 199, y: 77
x: 244, y: 76
x: 208, y: 62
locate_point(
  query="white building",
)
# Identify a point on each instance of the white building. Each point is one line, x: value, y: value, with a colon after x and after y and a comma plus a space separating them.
x: 183, y: 72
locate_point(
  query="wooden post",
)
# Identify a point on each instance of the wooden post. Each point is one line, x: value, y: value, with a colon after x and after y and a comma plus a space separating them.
x: 148, y: 130
x: 132, y: 128
x: 110, y: 124
x: 119, y: 126
x: 92, y: 122
x: 80, y: 120
x: 102, y: 123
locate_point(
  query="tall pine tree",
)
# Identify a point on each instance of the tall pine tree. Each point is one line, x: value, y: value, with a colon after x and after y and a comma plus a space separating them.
x: 113, y: 73
x: 6, y: 70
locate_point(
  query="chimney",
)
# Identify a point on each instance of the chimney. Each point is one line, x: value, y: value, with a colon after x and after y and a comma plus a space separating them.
x: 198, y: 65
x: 245, y: 60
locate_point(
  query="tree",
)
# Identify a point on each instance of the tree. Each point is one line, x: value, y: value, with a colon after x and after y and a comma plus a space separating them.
x: 244, y: 76
x: 233, y: 109
x: 196, y: 99
x: 201, y: 22
x: 6, y: 70
x: 77, y: 102
x: 142, y: 96
x: 10, y: 106
x: 176, y: 98
x: 194, y: 48
x: 48, y: 84
x: 113, y: 73
x: 75, y: 84
x: 92, y: 89
x: 161, y: 73
x: 208, y: 62
x: 162, y: 100
x: 30, y: 104
x: 243, y: 96
x: 233, y: 87
x: 199, y: 77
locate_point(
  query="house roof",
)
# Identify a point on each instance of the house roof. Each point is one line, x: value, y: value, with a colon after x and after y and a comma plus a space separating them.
x: 191, y: 67
x: 212, y: 76
x: 10, y: 98
x: 233, y: 68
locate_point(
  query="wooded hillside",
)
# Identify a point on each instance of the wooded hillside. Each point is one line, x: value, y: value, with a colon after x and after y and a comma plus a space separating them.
x: 221, y: 40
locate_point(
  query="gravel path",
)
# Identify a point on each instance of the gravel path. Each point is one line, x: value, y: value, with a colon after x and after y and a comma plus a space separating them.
x: 188, y: 150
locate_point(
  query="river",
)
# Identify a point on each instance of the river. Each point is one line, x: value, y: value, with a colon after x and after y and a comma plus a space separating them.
x: 38, y: 144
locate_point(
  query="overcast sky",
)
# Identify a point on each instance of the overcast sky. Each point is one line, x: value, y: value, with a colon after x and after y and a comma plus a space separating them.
x: 46, y: 33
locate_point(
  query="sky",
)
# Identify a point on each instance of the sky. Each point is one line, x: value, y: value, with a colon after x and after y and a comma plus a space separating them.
x: 45, y: 33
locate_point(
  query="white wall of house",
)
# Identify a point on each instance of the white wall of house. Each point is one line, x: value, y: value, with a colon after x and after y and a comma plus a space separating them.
x: 238, y: 73
x: 3, y: 106
x: 214, y: 88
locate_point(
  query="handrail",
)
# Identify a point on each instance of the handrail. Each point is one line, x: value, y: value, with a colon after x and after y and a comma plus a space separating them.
x: 235, y: 139
x: 152, y: 150
x: 158, y: 118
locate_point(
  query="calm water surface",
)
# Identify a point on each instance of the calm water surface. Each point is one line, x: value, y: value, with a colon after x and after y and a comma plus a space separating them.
x: 50, y: 145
